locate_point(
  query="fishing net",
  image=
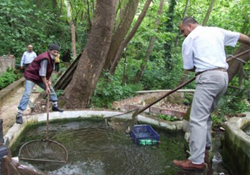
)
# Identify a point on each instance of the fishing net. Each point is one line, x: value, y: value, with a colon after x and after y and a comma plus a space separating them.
x: 43, y: 151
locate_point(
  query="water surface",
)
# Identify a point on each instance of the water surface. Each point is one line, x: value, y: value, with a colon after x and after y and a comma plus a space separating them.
x: 246, y: 129
x: 95, y: 149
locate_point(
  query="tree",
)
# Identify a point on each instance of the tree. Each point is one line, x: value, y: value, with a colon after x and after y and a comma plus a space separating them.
x: 123, y: 45
x: 184, y: 15
x: 151, y: 45
x: 72, y: 27
x: 235, y: 64
x: 208, y: 13
x: 121, y: 31
x: 169, y: 27
x: 88, y: 71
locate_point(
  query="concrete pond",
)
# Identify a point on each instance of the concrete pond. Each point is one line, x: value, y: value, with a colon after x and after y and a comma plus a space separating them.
x: 95, y: 149
x: 163, y: 128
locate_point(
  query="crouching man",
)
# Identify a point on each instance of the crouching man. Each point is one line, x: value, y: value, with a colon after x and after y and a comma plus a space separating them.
x: 39, y: 72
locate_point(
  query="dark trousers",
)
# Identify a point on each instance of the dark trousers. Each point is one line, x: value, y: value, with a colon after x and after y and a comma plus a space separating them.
x: 26, y: 66
x: 57, y: 67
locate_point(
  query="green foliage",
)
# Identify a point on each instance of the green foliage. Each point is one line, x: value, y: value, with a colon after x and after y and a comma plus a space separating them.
x: 19, y: 27
x: 109, y: 89
x: 217, y: 121
x: 168, y: 117
x: 38, y: 23
x: 42, y: 22
x: 231, y: 103
x: 59, y: 93
x: 7, y: 78
x: 235, y: 100
x: 188, y: 98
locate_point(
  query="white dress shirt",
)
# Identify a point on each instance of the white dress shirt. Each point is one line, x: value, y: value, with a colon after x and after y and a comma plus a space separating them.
x: 204, y: 49
x: 27, y: 57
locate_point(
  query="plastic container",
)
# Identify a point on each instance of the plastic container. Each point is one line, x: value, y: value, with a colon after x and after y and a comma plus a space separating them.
x: 144, y: 132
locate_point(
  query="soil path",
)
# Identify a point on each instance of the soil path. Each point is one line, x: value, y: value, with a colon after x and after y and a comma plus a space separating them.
x: 8, y: 109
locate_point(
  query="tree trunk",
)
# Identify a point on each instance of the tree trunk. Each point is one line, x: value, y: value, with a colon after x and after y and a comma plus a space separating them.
x: 88, y: 71
x: 73, y: 37
x: 72, y: 27
x: 169, y: 28
x: 121, y: 31
x: 151, y: 45
x: 184, y: 15
x: 235, y: 64
x: 89, y: 22
x: 125, y: 75
x: 208, y: 13
x: 129, y: 37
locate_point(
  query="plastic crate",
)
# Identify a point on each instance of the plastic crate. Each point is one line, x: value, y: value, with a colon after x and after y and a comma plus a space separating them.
x: 140, y: 132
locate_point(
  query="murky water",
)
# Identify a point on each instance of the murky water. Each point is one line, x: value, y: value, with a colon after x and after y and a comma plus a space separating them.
x: 247, y: 129
x: 95, y: 150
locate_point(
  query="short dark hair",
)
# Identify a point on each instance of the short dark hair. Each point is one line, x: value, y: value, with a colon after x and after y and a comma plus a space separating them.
x: 187, y: 20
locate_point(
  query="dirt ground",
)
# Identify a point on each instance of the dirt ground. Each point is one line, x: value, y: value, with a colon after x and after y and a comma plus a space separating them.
x: 8, y: 109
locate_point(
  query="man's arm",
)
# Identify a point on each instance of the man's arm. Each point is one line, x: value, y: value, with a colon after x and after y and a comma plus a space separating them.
x: 46, y: 85
x: 244, y: 39
x: 42, y: 74
x: 188, y: 55
x: 22, y: 60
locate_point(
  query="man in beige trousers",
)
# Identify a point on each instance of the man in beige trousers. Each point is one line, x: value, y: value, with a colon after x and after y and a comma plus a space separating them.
x: 203, y: 52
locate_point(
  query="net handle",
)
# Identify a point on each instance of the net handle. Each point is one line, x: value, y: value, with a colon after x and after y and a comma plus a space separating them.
x: 47, y: 122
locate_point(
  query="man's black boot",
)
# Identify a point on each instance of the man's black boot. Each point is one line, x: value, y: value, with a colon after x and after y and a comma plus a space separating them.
x: 19, y: 118
x: 56, y: 108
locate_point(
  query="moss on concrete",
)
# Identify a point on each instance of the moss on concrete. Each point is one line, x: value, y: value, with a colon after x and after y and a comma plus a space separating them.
x: 236, y: 152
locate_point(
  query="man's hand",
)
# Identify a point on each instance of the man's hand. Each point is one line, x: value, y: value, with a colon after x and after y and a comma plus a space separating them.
x: 49, y: 82
x: 48, y: 89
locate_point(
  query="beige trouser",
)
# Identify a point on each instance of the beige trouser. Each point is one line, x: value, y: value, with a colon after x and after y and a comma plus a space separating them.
x: 210, y: 85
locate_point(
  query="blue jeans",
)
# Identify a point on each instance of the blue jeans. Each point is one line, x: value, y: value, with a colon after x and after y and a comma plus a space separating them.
x: 29, y: 85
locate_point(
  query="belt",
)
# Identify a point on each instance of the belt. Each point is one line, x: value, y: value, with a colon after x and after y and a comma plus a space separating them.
x: 219, y: 69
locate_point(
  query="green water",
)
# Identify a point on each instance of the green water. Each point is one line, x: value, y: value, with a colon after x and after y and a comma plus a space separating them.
x: 246, y: 129
x: 96, y: 150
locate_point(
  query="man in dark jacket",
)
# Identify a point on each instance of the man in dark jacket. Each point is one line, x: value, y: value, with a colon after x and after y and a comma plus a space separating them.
x: 39, y: 72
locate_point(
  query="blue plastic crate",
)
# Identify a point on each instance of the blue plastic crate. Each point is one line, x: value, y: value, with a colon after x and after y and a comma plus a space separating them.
x: 144, y: 132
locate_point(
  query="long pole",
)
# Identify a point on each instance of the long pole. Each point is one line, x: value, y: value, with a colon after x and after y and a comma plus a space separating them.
x: 47, y: 122
x: 180, y: 86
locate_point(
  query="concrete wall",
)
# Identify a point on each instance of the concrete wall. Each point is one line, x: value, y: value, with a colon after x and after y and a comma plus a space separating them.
x: 147, y: 97
x: 236, y: 146
x: 9, y: 90
x: 5, y: 62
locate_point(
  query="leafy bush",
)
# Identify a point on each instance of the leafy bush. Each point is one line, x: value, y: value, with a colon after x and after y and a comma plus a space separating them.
x: 188, y: 99
x: 217, y: 121
x: 59, y: 93
x: 109, y: 89
x: 231, y: 103
x: 168, y: 117
x: 7, y: 78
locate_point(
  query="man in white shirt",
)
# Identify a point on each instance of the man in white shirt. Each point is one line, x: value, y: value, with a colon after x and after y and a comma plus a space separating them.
x: 203, y: 52
x: 28, y: 57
